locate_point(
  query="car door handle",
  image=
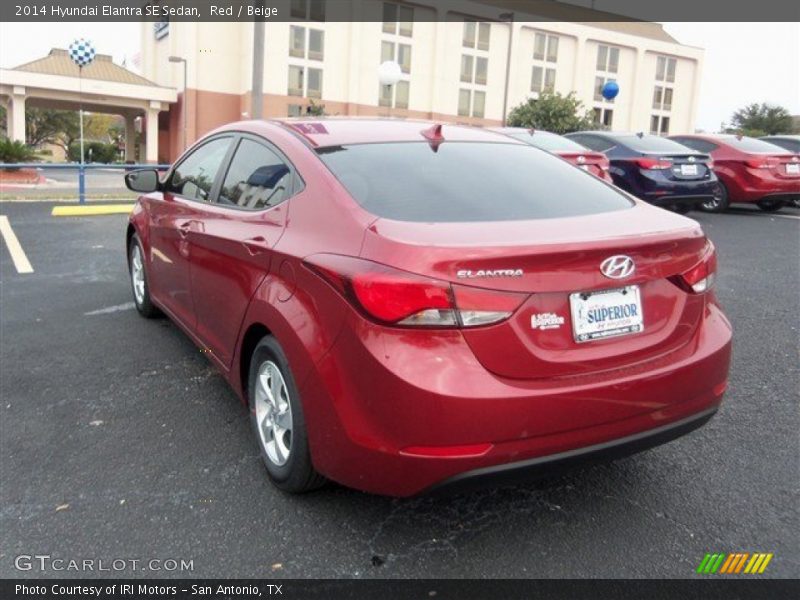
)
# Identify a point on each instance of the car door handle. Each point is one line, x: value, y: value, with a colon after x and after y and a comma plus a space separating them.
x: 256, y: 245
x: 184, y: 228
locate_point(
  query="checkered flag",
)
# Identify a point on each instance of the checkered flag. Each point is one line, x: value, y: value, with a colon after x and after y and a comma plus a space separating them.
x: 81, y: 52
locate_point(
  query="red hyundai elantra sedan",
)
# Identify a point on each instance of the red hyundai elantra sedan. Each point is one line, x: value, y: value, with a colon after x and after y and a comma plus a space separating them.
x: 749, y: 170
x: 405, y: 306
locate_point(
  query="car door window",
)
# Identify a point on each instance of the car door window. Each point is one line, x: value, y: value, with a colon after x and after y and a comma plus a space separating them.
x: 194, y: 177
x: 258, y: 178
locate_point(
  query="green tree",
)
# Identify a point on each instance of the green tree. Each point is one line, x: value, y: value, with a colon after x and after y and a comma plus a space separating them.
x: 14, y: 152
x: 552, y: 111
x: 760, y: 119
x: 44, y: 125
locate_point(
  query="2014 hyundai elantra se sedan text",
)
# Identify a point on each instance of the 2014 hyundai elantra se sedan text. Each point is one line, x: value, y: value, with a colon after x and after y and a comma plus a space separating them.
x: 406, y: 306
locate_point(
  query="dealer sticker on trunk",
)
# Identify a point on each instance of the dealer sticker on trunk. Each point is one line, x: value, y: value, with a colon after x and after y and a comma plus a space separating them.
x: 606, y: 313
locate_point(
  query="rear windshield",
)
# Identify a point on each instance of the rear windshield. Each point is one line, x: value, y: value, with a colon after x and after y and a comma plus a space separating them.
x: 653, y: 144
x: 551, y: 143
x: 467, y: 181
x: 748, y: 144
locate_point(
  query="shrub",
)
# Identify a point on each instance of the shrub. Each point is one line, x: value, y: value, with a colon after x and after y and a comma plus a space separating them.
x: 15, y: 152
x: 93, y: 152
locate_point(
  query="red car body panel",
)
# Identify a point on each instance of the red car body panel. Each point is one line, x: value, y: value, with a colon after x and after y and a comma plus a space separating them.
x: 744, y: 182
x: 397, y: 410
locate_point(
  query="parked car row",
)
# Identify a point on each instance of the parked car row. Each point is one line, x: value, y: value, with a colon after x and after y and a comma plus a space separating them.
x: 708, y: 172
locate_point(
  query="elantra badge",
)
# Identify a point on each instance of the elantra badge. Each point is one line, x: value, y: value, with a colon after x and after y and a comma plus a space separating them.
x: 617, y: 267
x: 467, y: 274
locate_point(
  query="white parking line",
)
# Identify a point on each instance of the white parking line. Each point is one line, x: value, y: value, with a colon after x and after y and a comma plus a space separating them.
x: 111, y: 309
x: 21, y: 261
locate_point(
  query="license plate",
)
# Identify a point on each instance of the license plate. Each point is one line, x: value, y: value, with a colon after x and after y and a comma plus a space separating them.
x: 606, y: 313
x: 688, y: 169
x: 793, y: 169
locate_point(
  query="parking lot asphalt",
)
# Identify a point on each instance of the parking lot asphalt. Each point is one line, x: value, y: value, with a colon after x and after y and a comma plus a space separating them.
x: 119, y: 440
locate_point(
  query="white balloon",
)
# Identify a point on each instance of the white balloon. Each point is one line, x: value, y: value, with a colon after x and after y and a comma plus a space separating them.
x: 389, y: 72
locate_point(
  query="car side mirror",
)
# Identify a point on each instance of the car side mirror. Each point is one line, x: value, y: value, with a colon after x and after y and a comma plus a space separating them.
x: 143, y: 181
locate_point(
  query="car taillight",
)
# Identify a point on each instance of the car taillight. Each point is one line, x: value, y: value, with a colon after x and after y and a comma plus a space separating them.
x: 765, y: 162
x: 653, y: 164
x: 701, y: 277
x: 396, y: 297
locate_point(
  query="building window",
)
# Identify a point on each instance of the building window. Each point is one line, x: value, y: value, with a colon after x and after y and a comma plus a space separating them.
x: 543, y: 79
x: 599, y: 82
x: 481, y: 70
x: 604, y: 116
x: 308, y: 10
x: 659, y: 125
x: 316, y: 44
x: 297, y: 43
x: 545, y: 47
x: 471, y: 103
x: 400, y: 91
x: 295, y: 80
x: 478, y: 103
x: 403, y: 56
x: 398, y: 19
x: 314, y: 86
x: 463, y: 102
x: 665, y: 69
x: 662, y: 98
x: 312, y: 78
x: 607, y: 59
x: 476, y: 35
x: 467, y: 67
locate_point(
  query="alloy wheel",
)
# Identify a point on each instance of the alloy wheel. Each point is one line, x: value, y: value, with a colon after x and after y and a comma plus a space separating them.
x: 273, y: 413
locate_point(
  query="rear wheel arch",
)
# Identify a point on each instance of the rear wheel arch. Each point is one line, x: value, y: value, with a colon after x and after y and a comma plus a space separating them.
x: 254, y: 334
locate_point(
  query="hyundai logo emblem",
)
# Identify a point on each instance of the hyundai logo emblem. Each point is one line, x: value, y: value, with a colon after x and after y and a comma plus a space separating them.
x: 691, y: 159
x: 581, y: 160
x: 617, y: 267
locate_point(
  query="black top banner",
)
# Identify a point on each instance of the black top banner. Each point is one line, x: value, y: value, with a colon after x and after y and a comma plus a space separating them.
x: 402, y: 589
x: 20, y: 11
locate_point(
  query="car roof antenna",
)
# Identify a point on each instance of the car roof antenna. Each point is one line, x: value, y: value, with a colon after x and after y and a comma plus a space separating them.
x: 434, y: 136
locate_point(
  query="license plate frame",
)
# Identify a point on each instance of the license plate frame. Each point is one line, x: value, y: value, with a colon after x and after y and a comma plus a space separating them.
x: 689, y: 171
x: 581, y: 303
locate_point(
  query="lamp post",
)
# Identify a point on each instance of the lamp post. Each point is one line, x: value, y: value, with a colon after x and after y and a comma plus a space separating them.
x: 185, y: 107
x: 389, y: 74
x: 509, y: 18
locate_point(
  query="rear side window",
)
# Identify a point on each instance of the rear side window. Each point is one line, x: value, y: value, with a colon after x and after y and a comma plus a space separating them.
x: 195, y: 176
x: 748, y: 144
x: 549, y: 142
x: 786, y: 143
x: 652, y: 144
x: 699, y: 145
x: 257, y: 178
x: 598, y: 144
x: 467, y: 181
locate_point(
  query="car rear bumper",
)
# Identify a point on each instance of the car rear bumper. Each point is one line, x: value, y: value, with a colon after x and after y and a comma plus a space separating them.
x: 394, y: 413
x: 752, y: 188
x: 545, y: 466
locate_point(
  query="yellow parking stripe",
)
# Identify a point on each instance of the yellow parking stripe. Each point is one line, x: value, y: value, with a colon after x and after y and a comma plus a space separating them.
x: 91, y: 209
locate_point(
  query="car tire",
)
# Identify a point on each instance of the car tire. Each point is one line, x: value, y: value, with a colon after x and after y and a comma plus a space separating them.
x: 138, y: 278
x: 768, y: 205
x: 276, y: 414
x: 719, y: 203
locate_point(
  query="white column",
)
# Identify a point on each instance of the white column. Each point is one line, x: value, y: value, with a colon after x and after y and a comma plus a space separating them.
x: 151, y: 137
x: 16, y: 109
x: 130, y: 137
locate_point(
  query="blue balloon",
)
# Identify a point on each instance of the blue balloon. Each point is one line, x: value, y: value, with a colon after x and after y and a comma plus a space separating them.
x: 610, y: 90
